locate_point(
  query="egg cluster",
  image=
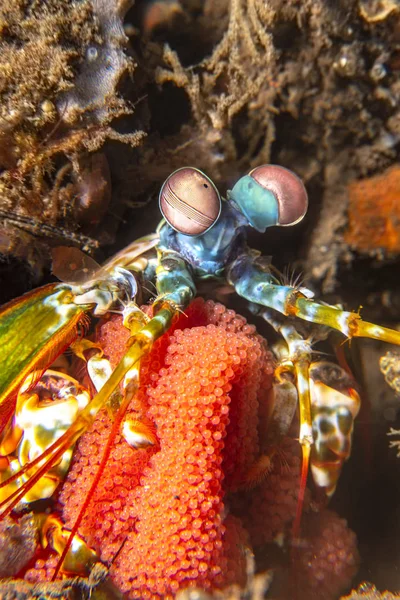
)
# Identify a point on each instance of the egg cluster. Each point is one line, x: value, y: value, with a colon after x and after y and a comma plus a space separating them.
x: 199, y: 388
x: 163, y: 511
x: 327, y: 560
x: 271, y: 506
x: 180, y: 535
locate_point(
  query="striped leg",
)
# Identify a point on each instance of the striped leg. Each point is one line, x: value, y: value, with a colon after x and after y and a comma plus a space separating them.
x: 297, y: 361
x: 261, y: 287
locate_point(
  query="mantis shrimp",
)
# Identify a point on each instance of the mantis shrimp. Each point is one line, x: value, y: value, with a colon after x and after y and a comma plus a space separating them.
x: 200, y: 237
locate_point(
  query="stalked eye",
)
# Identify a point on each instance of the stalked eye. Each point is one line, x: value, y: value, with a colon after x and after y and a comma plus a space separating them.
x: 270, y: 195
x: 189, y: 201
x: 287, y: 188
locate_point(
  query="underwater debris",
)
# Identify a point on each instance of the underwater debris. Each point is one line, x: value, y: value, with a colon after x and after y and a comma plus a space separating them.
x: 74, y: 588
x: 394, y: 443
x: 18, y: 543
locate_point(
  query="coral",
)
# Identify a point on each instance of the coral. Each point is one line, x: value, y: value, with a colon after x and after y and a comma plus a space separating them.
x: 374, y: 213
x: 42, y: 40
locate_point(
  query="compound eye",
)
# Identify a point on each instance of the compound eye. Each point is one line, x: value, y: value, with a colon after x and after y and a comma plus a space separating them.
x: 287, y: 188
x: 189, y: 201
